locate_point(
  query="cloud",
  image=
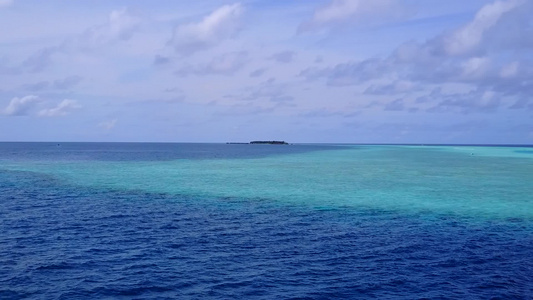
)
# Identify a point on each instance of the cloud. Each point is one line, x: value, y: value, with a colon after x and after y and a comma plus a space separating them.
x: 67, y: 82
x: 245, y: 110
x: 496, y: 27
x: 258, y: 72
x: 21, y: 106
x: 396, y: 105
x: 268, y: 91
x: 522, y: 103
x: 62, y: 109
x: 108, y: 125
x: 326, y: 112
x: 35, y: 87
x: 121, y: 26
x: 352, y: 11
x: 349, y: 73
x: 59, y: 84
x: 39, y: 60
x: 160, y: 60
x: 284, y: 56
x: 216, y: 27
x: 509, y: 70
x: 225, y: 64
x: 476, y: 101
x: 281, y: 98
x: 489, y: 53
x: 468, y: 37
x: 474, y: 67
x: 393, y: 88
x: 479, y: 100
x: 173, y: 90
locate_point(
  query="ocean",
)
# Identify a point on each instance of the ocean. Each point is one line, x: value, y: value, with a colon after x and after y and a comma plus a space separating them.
x: 232, y: 221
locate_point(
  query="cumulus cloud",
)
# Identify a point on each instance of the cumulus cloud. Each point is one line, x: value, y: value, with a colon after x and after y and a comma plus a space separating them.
x: 121, y: 25
x: 225, y: 64
x: 62, y: 109
x: 216, y: 27
x: 466, y: 38
x: 479, y: 55
x: 496, y: 27
x: 21, y: 106
x: 343, y: 11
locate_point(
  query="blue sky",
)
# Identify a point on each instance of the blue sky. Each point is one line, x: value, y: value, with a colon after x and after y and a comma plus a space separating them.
x: 337, y: 71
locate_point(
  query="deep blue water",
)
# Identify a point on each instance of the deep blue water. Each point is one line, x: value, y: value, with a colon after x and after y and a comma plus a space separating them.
x: 61, y: 239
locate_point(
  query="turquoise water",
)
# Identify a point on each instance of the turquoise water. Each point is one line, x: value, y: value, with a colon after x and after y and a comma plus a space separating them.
x: 471, y: 181
x: 216, y: 221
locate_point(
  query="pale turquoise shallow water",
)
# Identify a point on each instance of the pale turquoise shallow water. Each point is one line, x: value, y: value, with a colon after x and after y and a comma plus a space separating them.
x: 471, y: 181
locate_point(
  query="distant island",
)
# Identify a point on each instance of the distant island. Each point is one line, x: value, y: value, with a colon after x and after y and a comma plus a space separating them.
x: 269, y: 142
x: 263, y: 142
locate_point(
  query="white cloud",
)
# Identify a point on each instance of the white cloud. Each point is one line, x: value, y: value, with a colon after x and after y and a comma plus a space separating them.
x: 108, y: 125
x: 226, y: 64
x: 509, y: 70
x: 21, y: 106
x: 341, y: 11
x: 120, y: 26
x: 475, y: 67
x: 218, y: 26
x: 450, y: 58
x: 62, y: 109
x: 469, y: 36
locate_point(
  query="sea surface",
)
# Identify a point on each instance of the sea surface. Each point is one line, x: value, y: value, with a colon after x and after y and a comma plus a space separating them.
x: 218, y: 221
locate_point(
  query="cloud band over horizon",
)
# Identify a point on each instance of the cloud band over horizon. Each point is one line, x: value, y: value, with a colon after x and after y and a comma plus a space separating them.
x: 305, y: 71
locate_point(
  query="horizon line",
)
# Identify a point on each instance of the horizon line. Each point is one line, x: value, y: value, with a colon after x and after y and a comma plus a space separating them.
x: 290, y: 143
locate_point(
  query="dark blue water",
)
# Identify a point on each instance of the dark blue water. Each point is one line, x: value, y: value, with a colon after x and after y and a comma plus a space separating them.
x: 64, y: 241
x: 146, y: 151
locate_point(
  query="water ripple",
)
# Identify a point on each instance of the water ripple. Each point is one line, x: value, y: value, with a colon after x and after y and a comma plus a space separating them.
x: 67, y: 242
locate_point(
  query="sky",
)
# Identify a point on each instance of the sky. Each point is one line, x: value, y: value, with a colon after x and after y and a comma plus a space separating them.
x: 303, y: 71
